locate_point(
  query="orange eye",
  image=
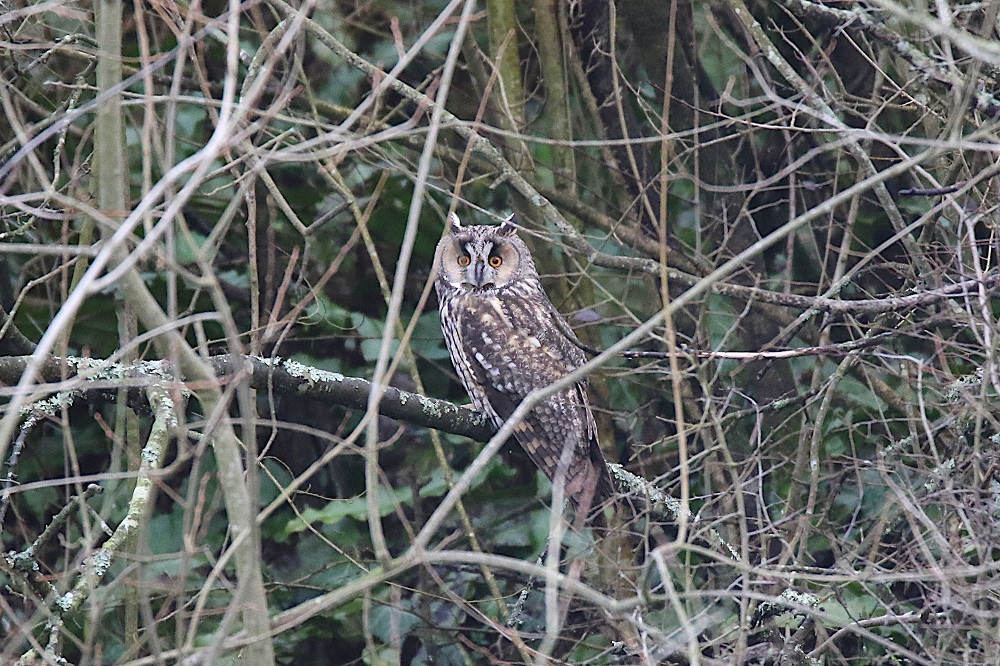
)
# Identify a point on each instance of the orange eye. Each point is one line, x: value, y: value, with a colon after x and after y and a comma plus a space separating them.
x: 495, y: 261
x: 464, y: 261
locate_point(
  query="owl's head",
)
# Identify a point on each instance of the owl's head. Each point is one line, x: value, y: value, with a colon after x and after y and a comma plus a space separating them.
x: 483, y: 258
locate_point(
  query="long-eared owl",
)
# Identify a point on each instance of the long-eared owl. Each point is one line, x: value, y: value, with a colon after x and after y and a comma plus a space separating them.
x: 506, y: 339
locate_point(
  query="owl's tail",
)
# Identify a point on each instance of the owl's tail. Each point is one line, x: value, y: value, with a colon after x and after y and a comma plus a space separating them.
x: 591, y: 492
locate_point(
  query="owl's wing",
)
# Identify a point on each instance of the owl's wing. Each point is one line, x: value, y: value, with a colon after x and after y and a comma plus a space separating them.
x: 513, y: 348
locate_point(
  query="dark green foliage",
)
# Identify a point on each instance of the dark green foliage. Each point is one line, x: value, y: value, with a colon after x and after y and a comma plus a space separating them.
x: 863, y: 475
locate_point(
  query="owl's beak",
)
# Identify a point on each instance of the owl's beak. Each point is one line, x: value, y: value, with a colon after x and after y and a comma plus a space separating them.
x: 479, y: 274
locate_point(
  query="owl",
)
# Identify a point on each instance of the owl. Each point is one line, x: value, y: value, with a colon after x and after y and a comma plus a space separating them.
x: 506, y: 339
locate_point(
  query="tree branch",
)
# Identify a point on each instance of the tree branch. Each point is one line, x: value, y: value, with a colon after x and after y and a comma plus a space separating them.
x: 283, y: 375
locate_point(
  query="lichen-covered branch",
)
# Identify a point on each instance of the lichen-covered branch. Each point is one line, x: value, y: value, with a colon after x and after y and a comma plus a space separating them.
x: 281, y: 375
x: 23, y: 567
x: 859, y: 19
x: 97, y: 565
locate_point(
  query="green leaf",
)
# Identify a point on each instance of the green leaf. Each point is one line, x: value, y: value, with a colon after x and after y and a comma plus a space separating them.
x: 355, y: 507
x: 382, y: 619
x: 187, y: 253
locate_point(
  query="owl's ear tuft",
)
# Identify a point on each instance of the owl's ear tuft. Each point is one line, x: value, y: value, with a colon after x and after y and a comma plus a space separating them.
x: 454, y: 222
x: 509, y: 226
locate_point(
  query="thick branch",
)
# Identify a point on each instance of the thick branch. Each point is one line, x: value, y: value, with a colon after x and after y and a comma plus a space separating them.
x: 282, y: 375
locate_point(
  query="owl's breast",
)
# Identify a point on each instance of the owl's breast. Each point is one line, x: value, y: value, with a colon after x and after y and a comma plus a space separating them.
x: 517, y: 332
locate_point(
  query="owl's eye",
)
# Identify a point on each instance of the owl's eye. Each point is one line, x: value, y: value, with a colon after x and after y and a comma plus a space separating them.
x: 464, y: 261
x: 495, y: 261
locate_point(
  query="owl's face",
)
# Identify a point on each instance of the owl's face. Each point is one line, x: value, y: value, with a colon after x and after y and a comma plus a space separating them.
x: 483, y: 258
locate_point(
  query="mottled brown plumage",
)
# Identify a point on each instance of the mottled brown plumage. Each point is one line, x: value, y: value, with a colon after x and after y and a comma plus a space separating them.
x: 506, y: 339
